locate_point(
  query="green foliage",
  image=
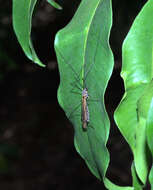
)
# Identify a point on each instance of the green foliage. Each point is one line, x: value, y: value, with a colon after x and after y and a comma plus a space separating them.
x: 86, y: 61
x: 149, y: 132
x: 22, y: 21
x: 136, y: 182
x: 22, y: 18
x: 137, y: 73
x: 54, y: 4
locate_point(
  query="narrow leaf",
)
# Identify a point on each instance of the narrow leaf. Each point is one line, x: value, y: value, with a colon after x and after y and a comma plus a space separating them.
x: 54, y: 4
x: 149, y: 129
x: 22, y: 19
x: 86, y: 61
x: 136, y: 182
x: 137, y: 74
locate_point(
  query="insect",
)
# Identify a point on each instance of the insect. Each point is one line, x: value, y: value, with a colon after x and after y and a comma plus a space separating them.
x: 85, y: 110
x: 84, y: 95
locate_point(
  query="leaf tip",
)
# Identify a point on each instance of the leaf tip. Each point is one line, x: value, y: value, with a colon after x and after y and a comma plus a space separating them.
x: 54, y: 4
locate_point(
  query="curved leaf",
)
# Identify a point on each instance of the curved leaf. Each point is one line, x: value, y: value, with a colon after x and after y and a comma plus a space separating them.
x: 85, y: 62
x: 54, y: 4
x: 111, y: 186
x: 137, y: 74
x: 22, y: 18
x: 149, y: 129
x: 136, y: 182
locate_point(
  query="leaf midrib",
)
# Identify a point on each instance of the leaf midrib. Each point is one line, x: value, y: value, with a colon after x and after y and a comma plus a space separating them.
x: 86, y: 39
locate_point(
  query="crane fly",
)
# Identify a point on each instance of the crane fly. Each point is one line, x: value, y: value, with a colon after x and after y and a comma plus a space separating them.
x: 85, y: 110
x: 84, y: 95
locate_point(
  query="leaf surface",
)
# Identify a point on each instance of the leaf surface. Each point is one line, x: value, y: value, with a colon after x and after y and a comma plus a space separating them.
x: 54, y: 4
x: 137, y: 73
x: 149, y: 131
x: 22, y: 19
x: 85, y: 61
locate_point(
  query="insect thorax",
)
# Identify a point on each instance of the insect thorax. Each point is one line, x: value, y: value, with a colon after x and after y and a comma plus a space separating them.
x: 85, y: 93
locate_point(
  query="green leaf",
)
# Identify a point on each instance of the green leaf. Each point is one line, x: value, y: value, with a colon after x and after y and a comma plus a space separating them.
x: 149, y: 132
x: 137, y: 73
x: 136, y: 182
x: 86, y: 61
x: 22, y: 19
x: 54, y: 4
x: 109, y: 185
x: 151, y: 177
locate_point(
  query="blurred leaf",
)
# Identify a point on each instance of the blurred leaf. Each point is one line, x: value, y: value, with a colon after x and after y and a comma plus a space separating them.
x: 22, y: 19
x: 54, y: 4
x: 137, y: 73
x: 136, y: 182
x: 4, y: 165
x: 149, y: 131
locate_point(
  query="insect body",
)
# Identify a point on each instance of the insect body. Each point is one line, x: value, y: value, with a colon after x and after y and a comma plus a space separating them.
x: 85, y: 96
x: 85, y: 110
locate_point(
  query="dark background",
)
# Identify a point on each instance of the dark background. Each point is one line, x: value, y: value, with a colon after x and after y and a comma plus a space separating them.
x: 36, y: 139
